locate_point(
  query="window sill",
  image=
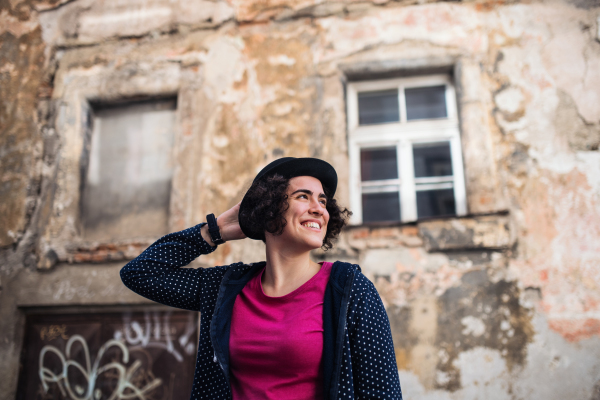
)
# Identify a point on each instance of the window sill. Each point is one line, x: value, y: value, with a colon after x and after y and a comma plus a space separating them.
x: 490, y: 231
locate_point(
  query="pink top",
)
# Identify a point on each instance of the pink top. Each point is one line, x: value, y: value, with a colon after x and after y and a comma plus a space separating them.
x: 276, y: 343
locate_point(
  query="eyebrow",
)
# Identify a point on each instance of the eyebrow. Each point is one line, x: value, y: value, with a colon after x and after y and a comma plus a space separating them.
x: 321, y: 195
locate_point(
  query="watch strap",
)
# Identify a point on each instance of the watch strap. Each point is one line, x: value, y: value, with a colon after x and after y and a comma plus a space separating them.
x: 213, y: 230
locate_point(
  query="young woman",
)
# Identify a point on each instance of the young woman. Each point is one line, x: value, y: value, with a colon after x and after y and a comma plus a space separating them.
x: 287, y: 327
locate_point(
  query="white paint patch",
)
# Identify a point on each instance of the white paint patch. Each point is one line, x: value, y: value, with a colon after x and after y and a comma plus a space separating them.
x: 456, y: 224
x: 222, y: 65
x: 442, y: 378
x: 473, y: 326
x: 128, y: 16
x: 8, y: 67
x: 483, y: 375
x: 281, y: 59
x: 589, y: 162
x: 549, y: 371
x: 412, y: 388
x: 220, y: 141
x: 509, y: 100
x: 281, y: 109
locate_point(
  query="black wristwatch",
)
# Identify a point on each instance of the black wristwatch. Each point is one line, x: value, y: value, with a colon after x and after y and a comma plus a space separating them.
x: 213, y: 230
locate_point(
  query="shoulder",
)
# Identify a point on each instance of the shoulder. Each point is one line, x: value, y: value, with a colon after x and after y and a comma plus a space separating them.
x: 349, y: 276
x: 342, y: 272
x: 240, y: 270
x: 216, y: 274
x: 363, y: 289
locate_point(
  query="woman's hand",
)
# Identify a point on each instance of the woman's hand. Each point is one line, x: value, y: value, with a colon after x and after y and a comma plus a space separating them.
x: 229, y: 226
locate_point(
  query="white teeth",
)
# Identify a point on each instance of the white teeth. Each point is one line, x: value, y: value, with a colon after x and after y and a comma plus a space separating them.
x: 311, y: 225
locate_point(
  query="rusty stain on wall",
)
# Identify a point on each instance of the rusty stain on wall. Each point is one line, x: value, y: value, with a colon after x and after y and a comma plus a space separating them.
x: 22, y: 77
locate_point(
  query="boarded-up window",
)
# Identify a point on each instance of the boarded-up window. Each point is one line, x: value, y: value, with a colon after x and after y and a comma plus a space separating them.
x: 135, y: 355
x: 128, y: 181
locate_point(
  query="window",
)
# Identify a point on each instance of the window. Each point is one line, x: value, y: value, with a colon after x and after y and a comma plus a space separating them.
x: 128, y: 180
x: 405, y: 151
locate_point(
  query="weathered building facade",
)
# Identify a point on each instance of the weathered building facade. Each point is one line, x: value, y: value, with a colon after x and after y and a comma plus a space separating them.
x: 124, y: 120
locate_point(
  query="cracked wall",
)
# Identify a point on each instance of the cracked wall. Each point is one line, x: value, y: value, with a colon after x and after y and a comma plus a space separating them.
x: 501, y: 304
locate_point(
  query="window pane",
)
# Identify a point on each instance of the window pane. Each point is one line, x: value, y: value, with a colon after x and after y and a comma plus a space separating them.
x: 378, y: 107
x: 381, y: 207
x: 432, y: 160
x: 425, y: 102
x: 378, y: 164
x: 128, y: 183
x: 432, y: 203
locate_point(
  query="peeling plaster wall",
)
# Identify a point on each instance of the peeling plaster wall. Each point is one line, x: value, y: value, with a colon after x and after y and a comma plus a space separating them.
x: 501, y: 304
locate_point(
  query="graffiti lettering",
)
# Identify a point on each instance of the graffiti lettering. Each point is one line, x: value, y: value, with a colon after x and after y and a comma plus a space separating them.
x: 153, y: 332
x: 91, y: 372
x: 51, y: 332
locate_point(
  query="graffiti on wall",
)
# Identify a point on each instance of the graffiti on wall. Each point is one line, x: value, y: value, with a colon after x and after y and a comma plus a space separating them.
x: 118, y: 356
x: 157, y: 334
x: 93, y: 373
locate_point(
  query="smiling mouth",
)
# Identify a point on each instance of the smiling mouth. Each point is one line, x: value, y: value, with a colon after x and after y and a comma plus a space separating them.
x: 312, y: 225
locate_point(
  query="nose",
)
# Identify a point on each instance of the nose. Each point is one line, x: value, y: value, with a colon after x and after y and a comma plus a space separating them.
x: 315, y: 207
x: 316, y: 211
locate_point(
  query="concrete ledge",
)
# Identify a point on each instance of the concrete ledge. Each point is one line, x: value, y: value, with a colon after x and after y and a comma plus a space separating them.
x: 67, y: 284
x: 398, y: 67
x: 478, y: 232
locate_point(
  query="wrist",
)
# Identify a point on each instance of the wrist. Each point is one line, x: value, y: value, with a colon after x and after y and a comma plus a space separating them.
x: 213, y: 230
x: 206, y: 235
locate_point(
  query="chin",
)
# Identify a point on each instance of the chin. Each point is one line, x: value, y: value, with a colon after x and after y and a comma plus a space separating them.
x: 314, y: 244
x: 302, y: 241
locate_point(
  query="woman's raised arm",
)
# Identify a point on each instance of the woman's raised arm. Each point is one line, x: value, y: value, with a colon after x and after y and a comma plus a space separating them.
x: 157, y: 273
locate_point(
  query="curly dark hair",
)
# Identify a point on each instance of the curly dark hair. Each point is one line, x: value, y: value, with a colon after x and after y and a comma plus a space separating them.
x: 268, y: 199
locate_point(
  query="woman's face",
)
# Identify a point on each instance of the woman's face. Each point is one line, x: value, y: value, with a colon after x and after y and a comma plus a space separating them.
x: 307, y: 215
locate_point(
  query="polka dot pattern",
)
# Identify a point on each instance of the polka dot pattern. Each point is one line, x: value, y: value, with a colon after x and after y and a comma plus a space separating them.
x: 371, y: 371
x: 368, y: 365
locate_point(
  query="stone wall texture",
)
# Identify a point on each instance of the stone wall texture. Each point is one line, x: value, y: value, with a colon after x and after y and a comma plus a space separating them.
x: 503, y: 303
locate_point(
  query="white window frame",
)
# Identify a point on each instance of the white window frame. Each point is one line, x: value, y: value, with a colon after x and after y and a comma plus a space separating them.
x: 403, y: 135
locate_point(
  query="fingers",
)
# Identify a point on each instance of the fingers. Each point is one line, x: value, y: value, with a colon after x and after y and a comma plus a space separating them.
x: 229, y: 224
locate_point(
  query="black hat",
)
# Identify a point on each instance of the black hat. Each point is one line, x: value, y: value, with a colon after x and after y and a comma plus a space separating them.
x: 289, y: 167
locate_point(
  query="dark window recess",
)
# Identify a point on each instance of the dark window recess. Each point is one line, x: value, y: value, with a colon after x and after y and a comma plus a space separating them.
x: 425, y: 102
x: 378, y: 107
x: 109, y: 356
x: 432, y: 160
x: 378, y: 164
x: 433, y: 203
x: 378, y: 207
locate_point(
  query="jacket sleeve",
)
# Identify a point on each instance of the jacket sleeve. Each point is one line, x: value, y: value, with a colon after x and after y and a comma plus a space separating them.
x: 156, y: 274
x: 374, y: 370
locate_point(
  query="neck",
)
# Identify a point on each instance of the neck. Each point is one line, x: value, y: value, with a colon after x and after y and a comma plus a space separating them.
x: 286, y: 270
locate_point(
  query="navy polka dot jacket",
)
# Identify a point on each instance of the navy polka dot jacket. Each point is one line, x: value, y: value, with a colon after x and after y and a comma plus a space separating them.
x: 358, y: 353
